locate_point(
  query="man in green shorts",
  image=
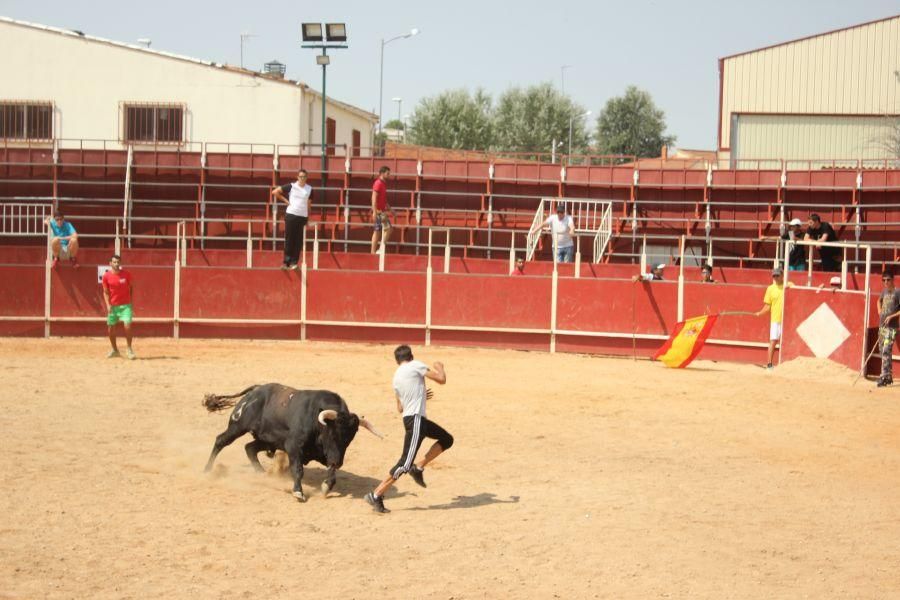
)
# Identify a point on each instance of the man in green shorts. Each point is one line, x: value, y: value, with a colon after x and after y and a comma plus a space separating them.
x: 118, y: 290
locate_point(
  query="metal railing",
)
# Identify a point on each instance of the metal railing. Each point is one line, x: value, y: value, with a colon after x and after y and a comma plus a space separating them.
x: 604, y: 234
x: 24, y: 218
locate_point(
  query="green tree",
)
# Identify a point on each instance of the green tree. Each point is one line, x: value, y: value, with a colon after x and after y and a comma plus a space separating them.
x: 394, y: 124
x: 453, y: 119
x: 529, y: 119
x: 632, y: 124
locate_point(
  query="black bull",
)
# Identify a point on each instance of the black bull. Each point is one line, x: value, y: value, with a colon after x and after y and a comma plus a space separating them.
x: 306, y: 424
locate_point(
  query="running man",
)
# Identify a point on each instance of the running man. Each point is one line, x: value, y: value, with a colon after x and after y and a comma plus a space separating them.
x: 409, y: 388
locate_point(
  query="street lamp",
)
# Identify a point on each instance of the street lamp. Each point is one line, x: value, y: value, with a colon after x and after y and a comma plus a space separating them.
x: 571, y: 120
x: 384, y: 43
x: 333, y: 32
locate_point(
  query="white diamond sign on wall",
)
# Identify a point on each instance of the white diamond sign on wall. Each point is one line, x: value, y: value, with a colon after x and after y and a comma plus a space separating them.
x: 823, y: 332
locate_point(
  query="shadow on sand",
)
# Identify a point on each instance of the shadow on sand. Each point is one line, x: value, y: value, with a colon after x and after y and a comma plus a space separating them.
x: 469, y: 502
x: 348, y: 485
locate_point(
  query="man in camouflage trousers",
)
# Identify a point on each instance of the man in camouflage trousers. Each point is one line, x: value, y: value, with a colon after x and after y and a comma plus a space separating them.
x: 888, y: 310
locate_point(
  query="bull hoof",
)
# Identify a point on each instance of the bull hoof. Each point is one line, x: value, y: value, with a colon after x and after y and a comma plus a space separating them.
x: 300, y: 496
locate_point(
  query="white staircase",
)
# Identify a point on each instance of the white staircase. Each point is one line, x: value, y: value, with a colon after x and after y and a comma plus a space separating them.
x: 592, y: 218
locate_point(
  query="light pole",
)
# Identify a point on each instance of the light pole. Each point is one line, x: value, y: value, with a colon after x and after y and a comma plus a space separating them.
x: 384, y: 43
x: 571, y: 120
x: 562, y: 77
x: 333, y: 32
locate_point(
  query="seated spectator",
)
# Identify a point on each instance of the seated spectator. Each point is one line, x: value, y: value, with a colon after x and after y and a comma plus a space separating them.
x: 706, y: 274
x: 655, y: 274
x: 64, y: 242
x: 519, y: 268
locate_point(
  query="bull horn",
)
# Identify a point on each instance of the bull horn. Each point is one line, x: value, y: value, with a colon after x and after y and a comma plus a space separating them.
x: 370, y: 427
x: 327, y: 414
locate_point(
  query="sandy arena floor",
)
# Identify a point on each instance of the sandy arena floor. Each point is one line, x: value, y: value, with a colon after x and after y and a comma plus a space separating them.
x: 571, y: 477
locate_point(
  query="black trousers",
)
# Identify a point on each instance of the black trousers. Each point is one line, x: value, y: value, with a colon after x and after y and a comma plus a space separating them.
x: 830, y: 261
x: 293, y: 237
x: 417, y: 429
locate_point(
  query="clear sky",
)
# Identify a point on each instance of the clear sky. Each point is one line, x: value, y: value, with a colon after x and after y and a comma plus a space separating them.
x: 668, y: 48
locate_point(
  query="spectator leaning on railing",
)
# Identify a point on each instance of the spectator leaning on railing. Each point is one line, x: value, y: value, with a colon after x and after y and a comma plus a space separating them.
x: 818, y: 230
x: 655, y: 274
x: 64, y: 242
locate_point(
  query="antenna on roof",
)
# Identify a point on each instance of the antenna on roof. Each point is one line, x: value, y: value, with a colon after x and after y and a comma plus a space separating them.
x: 244, y: 36
x: 145, y: 42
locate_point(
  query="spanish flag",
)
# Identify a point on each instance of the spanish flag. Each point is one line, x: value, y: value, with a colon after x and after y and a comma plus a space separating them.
x: 686, y: 341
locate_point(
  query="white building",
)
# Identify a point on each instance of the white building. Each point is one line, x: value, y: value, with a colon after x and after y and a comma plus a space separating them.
x: 834, y: 95
x: 64, y: 85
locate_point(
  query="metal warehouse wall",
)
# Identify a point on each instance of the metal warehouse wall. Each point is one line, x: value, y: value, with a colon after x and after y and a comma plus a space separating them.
x: 802, y: 136
x: 845, y: 72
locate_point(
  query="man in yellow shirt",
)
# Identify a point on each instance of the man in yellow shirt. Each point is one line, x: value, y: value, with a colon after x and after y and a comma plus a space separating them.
x: 773, y: 302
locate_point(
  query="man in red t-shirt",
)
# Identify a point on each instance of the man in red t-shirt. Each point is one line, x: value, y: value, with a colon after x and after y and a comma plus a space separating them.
x: 520, y: 267
x: 118, y: 291
x: 380, y: 208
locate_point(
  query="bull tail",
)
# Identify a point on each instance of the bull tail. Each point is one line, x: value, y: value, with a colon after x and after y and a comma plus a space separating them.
x: 214, y: 403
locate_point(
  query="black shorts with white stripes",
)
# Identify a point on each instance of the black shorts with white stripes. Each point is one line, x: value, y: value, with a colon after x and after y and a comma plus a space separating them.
x: 417, y: 429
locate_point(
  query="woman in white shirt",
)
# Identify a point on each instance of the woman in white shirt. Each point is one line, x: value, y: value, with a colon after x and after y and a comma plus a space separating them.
x: 297, y: 196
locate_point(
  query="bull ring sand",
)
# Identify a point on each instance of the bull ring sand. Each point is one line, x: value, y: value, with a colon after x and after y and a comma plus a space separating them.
x: 571, y: 477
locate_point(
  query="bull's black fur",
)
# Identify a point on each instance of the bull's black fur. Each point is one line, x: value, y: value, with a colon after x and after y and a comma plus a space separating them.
x: 283, y: 418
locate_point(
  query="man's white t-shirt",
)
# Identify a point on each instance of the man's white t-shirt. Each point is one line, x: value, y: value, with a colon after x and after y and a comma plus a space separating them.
x: 560, y: 230
x: 299, y: 200
x: 409, y: 385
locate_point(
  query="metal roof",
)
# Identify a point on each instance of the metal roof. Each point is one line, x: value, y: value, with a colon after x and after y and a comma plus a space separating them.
x: 808, y: 37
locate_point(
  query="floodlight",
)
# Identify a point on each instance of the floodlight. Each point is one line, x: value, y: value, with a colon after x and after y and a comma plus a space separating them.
x: 323, y: 59
x: 336, y: 32
x: 312, y: 32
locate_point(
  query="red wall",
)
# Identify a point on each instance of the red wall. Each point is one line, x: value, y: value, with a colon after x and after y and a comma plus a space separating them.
x: 351, y: 301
